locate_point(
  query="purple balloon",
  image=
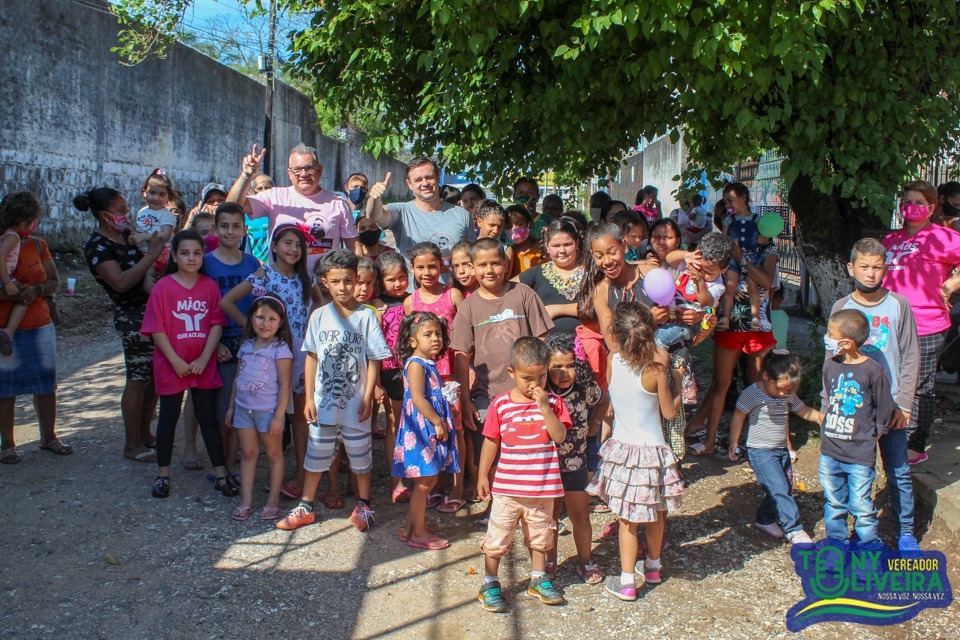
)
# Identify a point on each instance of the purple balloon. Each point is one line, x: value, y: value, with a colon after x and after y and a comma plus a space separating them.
x: 659, y: 286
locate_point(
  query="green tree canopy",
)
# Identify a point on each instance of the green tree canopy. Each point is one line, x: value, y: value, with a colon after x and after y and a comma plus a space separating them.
x: 856, y: 94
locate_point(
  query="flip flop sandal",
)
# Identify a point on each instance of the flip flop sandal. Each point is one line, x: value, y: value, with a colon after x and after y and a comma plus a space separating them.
x: 699, y: 449
x: 270, y: 512
x: 191, y: 464
x: 434, y: 500
x: 291, y: 490
x: 241, y: 514
x: 435, y: 543
x: 331, y: 501
x: 10, y: 456
x: 143, y: 456
x: 404, y: 538
x: 400, y: 495
x: 451, y: 505
x: 58, y: 448
x: 599, y: 507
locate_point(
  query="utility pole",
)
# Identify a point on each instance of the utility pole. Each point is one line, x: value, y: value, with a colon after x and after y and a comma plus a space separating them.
x: 268, y: 98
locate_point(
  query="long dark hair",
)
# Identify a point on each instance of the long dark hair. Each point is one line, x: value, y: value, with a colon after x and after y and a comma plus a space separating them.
x: 564, y: 342
x: 593, y: 275
x: 183, y: 236
x: 408, y: 327
x: 284, y: 333
x: 301, y: 266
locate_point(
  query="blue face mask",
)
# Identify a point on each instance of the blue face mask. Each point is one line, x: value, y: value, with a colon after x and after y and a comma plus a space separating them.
x: 832, y: 346
x: 357, y: 195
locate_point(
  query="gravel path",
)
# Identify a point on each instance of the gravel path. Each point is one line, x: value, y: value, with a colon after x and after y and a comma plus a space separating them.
x: 87, y: 553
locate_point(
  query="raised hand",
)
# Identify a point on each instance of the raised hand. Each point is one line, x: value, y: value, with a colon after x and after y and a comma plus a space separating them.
x: 251, y: 162
x: 380, y: 188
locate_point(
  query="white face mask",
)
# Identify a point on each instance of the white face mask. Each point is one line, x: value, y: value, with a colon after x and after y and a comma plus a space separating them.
x: 832, y: 346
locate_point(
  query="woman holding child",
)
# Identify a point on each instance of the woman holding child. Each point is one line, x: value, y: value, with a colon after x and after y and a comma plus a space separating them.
x: 121, y: 269
x: 919, y: 256
x: 740, y: 337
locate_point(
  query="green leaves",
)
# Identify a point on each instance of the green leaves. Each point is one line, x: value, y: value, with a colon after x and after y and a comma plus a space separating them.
x: 856, y: 94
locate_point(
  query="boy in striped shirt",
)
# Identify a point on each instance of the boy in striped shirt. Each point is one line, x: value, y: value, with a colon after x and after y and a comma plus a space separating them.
x: 525, y: 424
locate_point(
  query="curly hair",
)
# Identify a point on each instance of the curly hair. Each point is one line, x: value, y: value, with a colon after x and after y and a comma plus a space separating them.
x: 18, y: 208
x: 271, y: 300
x: 408, y: 328
x: 564, y: 342
x: 633, y: 329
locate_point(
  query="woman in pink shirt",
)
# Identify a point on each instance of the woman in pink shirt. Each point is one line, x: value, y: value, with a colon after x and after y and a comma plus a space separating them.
x: 920, y: 261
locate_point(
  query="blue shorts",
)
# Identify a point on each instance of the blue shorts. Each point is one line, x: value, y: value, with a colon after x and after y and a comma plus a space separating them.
x: 248, y: 418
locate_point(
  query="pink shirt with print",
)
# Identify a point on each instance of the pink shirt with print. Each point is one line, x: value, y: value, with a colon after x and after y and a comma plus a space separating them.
x: 186, y: 316
x: 917, y: 266
x: 323, y: 210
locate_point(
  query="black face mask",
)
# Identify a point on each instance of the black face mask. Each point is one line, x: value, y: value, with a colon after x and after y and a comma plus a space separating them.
x: 370, y: 237
x: 949, y: 210
x: 862, y: 288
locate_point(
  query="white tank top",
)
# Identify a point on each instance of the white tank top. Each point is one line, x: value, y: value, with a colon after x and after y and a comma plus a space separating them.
x: 636, y: 411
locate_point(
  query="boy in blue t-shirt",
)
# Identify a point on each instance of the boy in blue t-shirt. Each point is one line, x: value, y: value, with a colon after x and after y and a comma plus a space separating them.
x: 228, y: 266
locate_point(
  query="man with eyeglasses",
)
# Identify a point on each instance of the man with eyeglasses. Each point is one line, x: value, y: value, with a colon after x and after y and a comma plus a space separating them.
x: 323, y: 215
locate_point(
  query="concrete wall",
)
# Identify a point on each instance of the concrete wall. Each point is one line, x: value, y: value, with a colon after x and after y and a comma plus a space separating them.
x: 73, y: 117
x: 656, y: 164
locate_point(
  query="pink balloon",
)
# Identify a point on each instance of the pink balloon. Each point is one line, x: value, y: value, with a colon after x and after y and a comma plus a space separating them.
x: 659, y: 286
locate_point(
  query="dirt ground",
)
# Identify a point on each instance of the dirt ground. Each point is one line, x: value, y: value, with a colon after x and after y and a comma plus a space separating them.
x: 87, y: 553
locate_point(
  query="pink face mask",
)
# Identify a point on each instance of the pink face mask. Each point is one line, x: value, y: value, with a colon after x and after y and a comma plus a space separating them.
x: 519, y: 235
x: 914, y: 212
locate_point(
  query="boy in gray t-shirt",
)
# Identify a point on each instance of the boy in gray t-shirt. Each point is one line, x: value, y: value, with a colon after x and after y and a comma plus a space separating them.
x: 894, y: 345
x: 765, y: 405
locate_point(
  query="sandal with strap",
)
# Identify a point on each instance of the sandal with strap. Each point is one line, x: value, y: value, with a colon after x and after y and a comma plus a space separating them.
x: 590, y: 573
x: 10, y: 456
x: 58, y: 448
x: 400, y: 495
x: 225, y: 486
x: 434, y: 500
x: 609, y: 531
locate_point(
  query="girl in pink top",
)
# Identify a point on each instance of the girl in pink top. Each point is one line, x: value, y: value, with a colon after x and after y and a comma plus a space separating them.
x: 184, y: 319
x: 433, y: 296
x: 920, y: 259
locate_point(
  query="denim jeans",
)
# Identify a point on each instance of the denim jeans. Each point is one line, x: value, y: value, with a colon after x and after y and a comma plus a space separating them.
x: 674, y: 333
x: 893, y: 452
x: 848, y: 489
x: 772, y: 467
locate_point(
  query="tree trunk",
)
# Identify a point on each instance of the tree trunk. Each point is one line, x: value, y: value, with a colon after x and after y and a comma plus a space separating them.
x: 827, y: 228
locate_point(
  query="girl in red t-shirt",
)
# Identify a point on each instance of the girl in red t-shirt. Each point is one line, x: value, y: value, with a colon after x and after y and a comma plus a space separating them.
x: 184, y: 319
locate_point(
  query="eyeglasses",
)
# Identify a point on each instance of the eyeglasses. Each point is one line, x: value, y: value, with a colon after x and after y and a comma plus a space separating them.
x: 307, y: 168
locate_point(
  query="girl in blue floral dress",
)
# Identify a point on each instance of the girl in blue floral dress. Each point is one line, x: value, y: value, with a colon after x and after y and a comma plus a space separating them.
x: 426, y: 443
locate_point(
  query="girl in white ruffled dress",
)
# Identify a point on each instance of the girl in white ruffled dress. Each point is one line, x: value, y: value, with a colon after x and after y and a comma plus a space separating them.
x: 638, y: 477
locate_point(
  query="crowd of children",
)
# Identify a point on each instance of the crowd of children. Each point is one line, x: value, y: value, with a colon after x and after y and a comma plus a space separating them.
x: 484, y: 400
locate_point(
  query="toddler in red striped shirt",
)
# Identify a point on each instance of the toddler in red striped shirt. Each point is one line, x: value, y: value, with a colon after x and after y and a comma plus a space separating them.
x: 525, y: 424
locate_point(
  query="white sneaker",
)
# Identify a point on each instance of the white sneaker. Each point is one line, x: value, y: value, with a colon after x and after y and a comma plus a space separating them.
x: 799, y: 537
x: 772, y: 530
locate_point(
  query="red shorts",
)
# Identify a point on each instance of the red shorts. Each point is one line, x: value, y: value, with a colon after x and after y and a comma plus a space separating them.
x: 749, y: 342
